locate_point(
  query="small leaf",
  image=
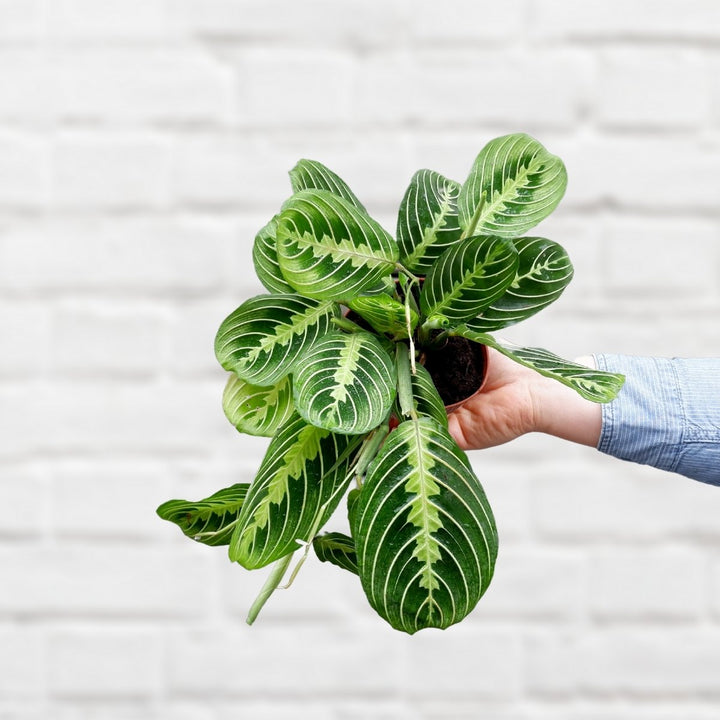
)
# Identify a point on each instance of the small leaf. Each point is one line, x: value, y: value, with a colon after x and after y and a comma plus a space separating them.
x: 424, y: 533
x: 544, y: 271
x: 257, y: 410
x: 426, y: 396
x: 428, y: 220
x: 594, y: 385
x: 513, y: 185
x: 384, y: 314
x: 311, y: 174
x: 328, y: 249
x: 262, y: 339
x: 337, y: 549
x: 265, y: 259
x: 467, y: 278
x: 298, y: 486
x: 345, y: 383
x: 210, y: 521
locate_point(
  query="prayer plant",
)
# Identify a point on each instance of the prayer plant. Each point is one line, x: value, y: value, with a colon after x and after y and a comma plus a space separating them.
x: 329, y: 364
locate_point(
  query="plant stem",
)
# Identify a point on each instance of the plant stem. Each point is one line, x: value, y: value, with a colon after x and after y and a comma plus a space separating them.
x: 405, y: 395
x: 271, y: 584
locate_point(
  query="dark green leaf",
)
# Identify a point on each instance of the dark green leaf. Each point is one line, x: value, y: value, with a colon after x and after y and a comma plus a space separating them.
x: 337, y: 549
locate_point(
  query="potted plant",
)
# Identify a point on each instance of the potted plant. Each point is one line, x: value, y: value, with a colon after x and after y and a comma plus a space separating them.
x: 338, y: 364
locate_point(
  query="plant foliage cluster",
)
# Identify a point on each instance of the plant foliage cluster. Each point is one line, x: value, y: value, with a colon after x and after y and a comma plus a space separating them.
x: 327, y: 386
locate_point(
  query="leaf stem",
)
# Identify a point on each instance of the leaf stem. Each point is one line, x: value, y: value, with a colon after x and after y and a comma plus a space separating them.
x: 470, y: 230
x: 405, y: 395
x: 344, y: 324
x: 271, y: 584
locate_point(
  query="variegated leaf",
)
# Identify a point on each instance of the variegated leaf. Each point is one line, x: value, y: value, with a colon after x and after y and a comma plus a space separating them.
x: 424, y: 532
x: 513, y: 185
x: 384, y: 314
x: 544, y: 271
x: 263, y: 338
x: 338, y: 549
x: 467, y: 278
x: 428, y: 220
x: 257, y: 410
x: 595, y: 385
x: 210, y: 521
x: 299, y: 484
x: 328, y: 249
x: 345, y: 383
x: 311, y: 174
x: 427, y: 399
x: 265, y: 259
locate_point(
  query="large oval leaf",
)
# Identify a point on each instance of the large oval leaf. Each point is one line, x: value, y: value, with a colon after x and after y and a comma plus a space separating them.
x: 210, y: 521
x: 261, y: 340
x: 428, y: 220
x: 265, y: 260
x: 311, y: 174
x: 345, y: 383
x: 544, y: 271
x: 257, y: 410
x: 331, y: 250
x: 299, y: 484
x: 385, y: 314
x: 513, y: 185
x: 467, y: 278
x: 424, y: 532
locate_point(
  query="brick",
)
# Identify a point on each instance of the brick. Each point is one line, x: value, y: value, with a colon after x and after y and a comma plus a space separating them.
x: 715, y: 587
x: 646, y: 585
x: 653, y: 88
x: 26, y: 498
x: 561, y: 76
x: 552, y: 663
x: 20, y: 19
x: 105, y: 663
x: 24, y: 172
x: 459, y: 20
x: 507, y: 490
x: 28, y: 85
x: 307, y: 662
x: 105, y: 581
x: 623, y: 501
x: 111, y: 172
x: 25, y: 327
x: 95, y: 339
x: 683, y: 19
x: 144, y: 85
x: 123, y: 495
x: 329, y: 709
x: 470, y: 663
x: 178, y: 255
x: 22, y: 664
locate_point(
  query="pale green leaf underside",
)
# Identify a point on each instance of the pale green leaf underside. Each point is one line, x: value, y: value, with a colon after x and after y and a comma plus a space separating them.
x: 311, y: 174
x: 425, y: 536
x: 265, y: 260
x: 428, y: 220
x: 513, y: 185
x: 595, y: 385
x: 345, y: 383
x: 338, y: 549
x: 328, y: 249
x: 468, y: 277
x: 257, y: 410
x: 299, y: 484
x: 210, y: 521
x: 262, y: 339
x: 544, y: 271
x: 385, y: 314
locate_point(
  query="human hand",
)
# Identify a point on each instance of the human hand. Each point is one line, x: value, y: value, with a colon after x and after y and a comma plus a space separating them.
x: 516, y: 400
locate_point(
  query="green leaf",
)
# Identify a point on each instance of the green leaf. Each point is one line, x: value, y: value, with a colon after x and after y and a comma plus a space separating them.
x: 426, y: 396
x: 513, y: 185
x: 257, y: 410
x: 337, y: 549
x: 428, y: 220
x: 265, y: 260
x: 424, y: 532
x: 384, y: 314
x: 299, y: 484
x: 345, y: 383
x: 311, y: 174
x: 595, y: 385
x: 210, y: 521
x: 328, y: 249
x: 467, y: 278
x: 544, y: 271
x: 262, y: 339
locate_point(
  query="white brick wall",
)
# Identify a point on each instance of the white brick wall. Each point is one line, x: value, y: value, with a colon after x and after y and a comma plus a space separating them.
x: 142, y: 144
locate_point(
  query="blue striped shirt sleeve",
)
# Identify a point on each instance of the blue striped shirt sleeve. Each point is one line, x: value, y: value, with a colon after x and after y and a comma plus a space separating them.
x: 667, y: 415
